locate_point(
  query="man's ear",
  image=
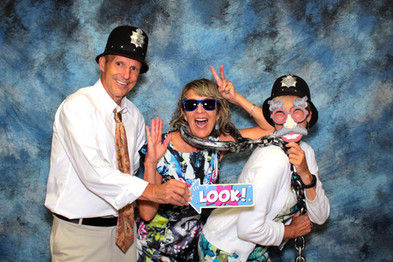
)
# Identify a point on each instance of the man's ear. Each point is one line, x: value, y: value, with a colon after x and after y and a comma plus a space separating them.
x: 101, y: 63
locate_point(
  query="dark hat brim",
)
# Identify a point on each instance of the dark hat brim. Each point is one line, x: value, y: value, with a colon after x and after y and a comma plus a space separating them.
x: 266, y: 112
x: 130, y: 55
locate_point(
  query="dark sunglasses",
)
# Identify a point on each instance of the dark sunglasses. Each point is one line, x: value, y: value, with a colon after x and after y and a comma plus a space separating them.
x: 209, y: 104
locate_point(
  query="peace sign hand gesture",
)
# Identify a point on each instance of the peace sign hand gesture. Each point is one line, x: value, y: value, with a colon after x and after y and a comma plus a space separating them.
x: 225, y: 87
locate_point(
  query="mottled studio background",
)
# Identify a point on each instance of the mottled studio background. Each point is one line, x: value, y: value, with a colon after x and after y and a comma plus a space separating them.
x: 343, y: 49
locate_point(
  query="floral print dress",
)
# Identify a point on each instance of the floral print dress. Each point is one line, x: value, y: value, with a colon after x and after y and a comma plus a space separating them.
x: 172, y: 235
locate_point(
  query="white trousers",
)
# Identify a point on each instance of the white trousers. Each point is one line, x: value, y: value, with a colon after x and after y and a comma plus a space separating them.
x: 73, y: 242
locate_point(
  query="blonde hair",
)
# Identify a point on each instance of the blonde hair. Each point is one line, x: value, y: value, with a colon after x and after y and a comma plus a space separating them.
x: 207, y: 88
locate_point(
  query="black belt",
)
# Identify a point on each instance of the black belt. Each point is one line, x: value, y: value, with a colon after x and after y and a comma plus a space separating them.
x: 93, y: 221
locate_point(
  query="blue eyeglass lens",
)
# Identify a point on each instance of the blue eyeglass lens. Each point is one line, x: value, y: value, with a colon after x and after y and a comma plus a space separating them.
x: 192, y: 104
x: 209, y: 104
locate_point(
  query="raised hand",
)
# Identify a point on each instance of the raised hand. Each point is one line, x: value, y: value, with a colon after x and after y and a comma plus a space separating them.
x: 225, y: 87
x: 155, y: 147
x: 298, y: 158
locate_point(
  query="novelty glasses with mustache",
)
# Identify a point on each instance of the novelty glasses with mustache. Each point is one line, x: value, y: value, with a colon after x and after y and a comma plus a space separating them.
x: 297, y: 113
x: 209, y: 104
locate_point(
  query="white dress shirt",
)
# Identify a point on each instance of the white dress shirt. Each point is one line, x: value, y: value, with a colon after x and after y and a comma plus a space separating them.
x: 84, y: 180
x: 238, y: 230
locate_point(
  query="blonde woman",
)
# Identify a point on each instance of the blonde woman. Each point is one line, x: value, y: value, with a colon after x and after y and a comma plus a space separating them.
x: 169, y: 232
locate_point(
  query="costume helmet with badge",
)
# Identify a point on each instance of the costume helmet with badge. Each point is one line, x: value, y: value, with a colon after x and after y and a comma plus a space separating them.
x: 290, y: 85
x: 128, y: 41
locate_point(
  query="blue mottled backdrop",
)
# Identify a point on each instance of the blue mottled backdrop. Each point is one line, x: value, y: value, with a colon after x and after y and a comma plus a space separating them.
x: 343, y: 49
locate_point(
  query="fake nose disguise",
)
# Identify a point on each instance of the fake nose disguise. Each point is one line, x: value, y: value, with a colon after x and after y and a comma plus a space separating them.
x: 290, y: 123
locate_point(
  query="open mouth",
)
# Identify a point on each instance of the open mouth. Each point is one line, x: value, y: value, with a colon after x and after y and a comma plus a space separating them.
x: 292, y: 137
x: 201, y: 122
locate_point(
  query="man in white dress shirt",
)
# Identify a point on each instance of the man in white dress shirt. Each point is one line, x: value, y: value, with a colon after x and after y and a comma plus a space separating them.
x: 85, y: 188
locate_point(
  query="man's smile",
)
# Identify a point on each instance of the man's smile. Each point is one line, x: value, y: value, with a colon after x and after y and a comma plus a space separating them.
x: 122, y: 83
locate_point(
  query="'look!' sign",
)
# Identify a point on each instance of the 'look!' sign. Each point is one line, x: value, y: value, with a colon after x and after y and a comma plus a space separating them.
x: 220, y: 195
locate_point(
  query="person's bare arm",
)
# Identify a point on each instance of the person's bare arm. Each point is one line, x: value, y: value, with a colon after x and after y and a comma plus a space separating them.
x: 227, y: 90
x: 298, y: 159
x: 172, y: 192
x: 300, y: 226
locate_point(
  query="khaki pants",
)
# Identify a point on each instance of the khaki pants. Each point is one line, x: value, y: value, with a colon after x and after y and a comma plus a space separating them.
x: 73, y: 242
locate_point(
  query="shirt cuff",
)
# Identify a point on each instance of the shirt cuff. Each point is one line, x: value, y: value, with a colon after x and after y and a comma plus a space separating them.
x: 133, y: 192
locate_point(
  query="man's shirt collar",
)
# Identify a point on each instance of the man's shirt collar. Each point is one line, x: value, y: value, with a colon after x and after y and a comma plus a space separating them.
x: 107, y: 102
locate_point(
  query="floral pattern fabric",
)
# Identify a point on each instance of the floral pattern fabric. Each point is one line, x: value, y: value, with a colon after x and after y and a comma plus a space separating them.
x: 208, y: 252
x: 172, y: 235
